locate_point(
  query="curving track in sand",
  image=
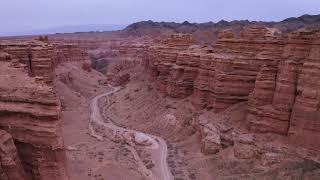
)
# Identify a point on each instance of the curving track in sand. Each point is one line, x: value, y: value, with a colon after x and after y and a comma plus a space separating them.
x: 158, y: 150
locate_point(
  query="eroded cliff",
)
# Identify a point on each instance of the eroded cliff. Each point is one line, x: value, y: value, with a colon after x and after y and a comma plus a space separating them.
x: 277, y: 74
x: 32, y: 145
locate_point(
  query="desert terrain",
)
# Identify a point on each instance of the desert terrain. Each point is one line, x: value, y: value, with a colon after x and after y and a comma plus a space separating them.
x: 163, y: 101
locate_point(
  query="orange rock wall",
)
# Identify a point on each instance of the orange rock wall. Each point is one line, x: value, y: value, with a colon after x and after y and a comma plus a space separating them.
x: 277, y: 74
x: 30, y: 110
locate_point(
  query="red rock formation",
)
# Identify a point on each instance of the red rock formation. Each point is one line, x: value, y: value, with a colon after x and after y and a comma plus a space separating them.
x: 39, y: 58
x: 10, y: 164
x: 181, y: 41
x: 183, y: 74
x: 278, y: 76
x: 68, y: 52
x: 173, y: 72
x: 226, y: 34
x: 33, y: 121
x: 30, y: 110
x: 236, y: 64
x: 277, y: 114
x: 213, y: 76
x: 305, y: 117
x: 119, y: 71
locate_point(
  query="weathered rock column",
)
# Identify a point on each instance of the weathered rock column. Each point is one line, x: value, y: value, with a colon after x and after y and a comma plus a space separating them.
x: 11, y: 167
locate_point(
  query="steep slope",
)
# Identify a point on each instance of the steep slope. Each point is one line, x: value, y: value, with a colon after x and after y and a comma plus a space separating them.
x: 262, y: 66
x: 30, y: 110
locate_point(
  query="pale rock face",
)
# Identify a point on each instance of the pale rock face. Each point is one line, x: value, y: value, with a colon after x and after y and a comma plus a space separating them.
x: 211, y: 139
x: 144, y: 140
x: 211, y: 144
x: 171, y: 119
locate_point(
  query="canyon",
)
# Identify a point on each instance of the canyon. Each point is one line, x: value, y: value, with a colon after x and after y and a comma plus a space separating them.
x: 243, y: 103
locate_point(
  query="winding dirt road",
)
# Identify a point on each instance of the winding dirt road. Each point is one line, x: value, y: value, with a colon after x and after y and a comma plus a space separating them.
x: 158, y: 147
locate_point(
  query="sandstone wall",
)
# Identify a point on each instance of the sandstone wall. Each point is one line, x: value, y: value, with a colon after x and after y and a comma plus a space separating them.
x: 286, y: 107
x: 69, y: 52
x: 304, y: 126
x: 10, y: 164
x: 30, y: 126
x: 216, y: 77
x: 277, y: 74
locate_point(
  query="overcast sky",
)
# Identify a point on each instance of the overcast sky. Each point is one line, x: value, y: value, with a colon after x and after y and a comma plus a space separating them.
x: 20, y: 15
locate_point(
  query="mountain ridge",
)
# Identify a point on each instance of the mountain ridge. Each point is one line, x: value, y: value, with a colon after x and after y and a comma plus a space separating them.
x: 208, y: 31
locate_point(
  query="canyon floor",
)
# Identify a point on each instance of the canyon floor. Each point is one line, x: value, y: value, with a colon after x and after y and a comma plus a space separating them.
x: 87, y: 157
x: 92, y: 151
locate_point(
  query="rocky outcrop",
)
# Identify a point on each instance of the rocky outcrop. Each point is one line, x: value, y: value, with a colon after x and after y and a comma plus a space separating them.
x: 30, y: 127
x: 279, y: 111
x: 119, y: 71
x: 34, y: 56
x: 69, y: 52
x: 173, y: 72
x: 304, y: 126
x: 10, y: 164
x: 32, y: 119
x: 39, y: 58
x: 212, y: 75
x: 277, y: 74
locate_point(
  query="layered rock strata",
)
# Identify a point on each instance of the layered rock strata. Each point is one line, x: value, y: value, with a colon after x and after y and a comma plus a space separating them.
x: 10, y: 166
x: 211, y: 74
x: 30, y: 110
x: 304, y: 126
x: 40, y: 58
x: 287, y: 107
x: 277, y: 74
x: 69, y: 52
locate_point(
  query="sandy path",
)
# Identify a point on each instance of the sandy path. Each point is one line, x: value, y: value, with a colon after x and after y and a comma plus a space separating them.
x: 158, y: 147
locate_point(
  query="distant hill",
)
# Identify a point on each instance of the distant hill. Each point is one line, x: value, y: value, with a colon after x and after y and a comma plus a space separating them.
x: 68, y: 29
x: 207, y: 32
x: 292, y: 24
